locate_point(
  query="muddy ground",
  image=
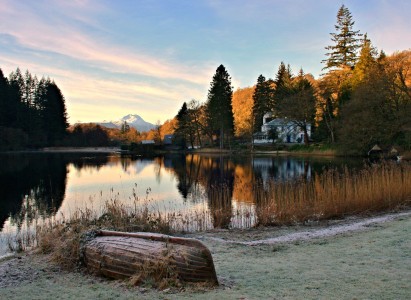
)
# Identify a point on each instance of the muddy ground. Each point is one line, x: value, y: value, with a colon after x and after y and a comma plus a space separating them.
x: 353, y: 258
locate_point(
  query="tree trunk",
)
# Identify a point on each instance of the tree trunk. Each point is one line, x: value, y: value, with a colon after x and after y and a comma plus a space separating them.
x: 198, y: 137
x: 306, y: 140
x: 221, y: 137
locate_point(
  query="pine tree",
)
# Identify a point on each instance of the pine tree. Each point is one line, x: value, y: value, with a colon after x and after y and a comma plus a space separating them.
x: 18, y: 113
x: 55, y: 115
x: 4, y: 100
x: 346, y: 42
x: 37, y: 118
x: 262, y: 99
x: 219, y: 107
x: 30, y: 85
x: 182, y: 126
x: 365, y: 62
x: 283, y: 83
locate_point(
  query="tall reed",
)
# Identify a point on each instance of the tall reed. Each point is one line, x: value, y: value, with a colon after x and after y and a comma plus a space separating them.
x: 335, y: 194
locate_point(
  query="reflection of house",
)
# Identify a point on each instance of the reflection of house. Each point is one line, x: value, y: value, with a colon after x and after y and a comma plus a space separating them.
x: 284, y: 130
x: 281, y: 169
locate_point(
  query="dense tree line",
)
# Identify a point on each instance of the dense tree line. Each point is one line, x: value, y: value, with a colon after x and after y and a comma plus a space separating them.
x: 364, y: 98
x: 32, y: 111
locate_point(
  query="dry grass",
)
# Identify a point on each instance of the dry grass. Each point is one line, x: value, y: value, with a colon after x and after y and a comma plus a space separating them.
x: 21, y: 241
x: 334, y: 194
x: 160, y: 274
x: 62, y: 239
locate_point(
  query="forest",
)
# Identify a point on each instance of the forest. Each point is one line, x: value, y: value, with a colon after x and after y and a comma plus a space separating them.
x: 362, y: 98
x: 32, y: 112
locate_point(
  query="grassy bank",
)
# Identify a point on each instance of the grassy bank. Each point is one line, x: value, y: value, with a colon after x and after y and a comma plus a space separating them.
x: 372, y: 264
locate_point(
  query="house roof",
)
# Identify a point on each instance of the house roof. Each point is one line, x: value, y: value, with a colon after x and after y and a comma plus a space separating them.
x: 278, y: 122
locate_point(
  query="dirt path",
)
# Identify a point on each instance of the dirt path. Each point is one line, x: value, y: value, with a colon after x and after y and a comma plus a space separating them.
x: 349, y: 225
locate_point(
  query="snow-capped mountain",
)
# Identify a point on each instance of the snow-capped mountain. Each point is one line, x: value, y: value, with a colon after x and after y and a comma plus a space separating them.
x: 132, y: 120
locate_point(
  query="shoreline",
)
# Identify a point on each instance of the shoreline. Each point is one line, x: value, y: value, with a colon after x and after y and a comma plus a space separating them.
x: 118, y: 150
x: 67, y: 150
x: 317, y: 267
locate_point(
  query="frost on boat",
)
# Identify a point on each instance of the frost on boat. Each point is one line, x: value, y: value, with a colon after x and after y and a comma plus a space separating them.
x: 121, y: 255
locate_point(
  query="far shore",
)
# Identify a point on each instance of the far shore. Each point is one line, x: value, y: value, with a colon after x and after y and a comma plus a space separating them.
x: 199, y: 151
x: 320, y: 153
x: 68, y: 150
x: 82, y: 149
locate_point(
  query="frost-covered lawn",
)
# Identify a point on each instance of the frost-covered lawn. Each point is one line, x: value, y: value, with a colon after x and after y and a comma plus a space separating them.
x: 374, y: 263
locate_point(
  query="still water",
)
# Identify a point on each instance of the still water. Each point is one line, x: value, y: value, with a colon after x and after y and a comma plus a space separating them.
x: 37, y: 186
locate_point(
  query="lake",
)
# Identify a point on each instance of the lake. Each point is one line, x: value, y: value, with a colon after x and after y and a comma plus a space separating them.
x: 38, y: 186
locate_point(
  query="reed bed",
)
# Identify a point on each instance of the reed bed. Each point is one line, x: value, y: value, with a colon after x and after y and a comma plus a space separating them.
x: 335, y: 194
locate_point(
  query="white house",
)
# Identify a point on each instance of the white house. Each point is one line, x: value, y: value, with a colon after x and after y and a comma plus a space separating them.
x: 286, y: 131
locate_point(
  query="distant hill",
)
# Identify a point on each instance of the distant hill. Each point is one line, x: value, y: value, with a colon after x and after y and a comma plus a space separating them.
x: 132, y: 120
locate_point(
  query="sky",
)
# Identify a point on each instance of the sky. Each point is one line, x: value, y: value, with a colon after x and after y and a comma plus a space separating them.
x: 147, y: 57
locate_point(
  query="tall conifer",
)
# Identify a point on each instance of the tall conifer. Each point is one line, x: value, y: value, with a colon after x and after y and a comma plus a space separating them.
x: 219, y: 107
x: 262, y: 99
x: 4, y: 100
x: 346, y: 42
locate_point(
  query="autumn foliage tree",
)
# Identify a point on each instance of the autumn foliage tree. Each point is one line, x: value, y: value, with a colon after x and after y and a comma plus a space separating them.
x: 242, y: 110
x: 380, y: 109
x: 298, y: 104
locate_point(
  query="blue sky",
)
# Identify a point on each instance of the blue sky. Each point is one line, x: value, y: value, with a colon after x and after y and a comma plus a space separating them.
x: 146, y: 57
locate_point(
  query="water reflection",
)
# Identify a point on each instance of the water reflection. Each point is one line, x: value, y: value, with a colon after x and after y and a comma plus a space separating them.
x: 31, y: 186
x: 220, y: 180
x: 42, y: 184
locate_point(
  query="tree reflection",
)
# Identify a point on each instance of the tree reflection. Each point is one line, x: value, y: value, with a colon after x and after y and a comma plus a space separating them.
x: 224, y: 178
x: 79, y: 161
x: 31, y: 187
x: 212, y: 174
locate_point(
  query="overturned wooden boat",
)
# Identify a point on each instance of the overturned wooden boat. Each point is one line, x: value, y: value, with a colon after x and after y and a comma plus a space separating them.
x: 122, y: 254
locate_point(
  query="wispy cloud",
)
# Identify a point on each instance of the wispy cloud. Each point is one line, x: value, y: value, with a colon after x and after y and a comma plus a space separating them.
x: 146, y: 79
x: 36, y: 32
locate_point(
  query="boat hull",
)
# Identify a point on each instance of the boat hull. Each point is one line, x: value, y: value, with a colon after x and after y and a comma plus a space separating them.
x: 121, y: 255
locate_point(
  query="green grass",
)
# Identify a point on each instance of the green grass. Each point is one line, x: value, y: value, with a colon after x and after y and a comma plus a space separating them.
x: 372, y: 264
x: 324, y: 149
